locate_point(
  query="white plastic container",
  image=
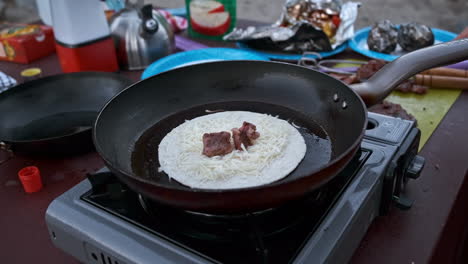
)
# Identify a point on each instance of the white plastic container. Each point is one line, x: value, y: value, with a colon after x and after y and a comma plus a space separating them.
x: 43, y: 6
x: 78, y: 21
x: 82, y: 35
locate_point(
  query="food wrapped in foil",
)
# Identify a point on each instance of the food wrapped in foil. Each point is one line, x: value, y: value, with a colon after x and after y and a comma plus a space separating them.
x: 383, y: 37
x: 296, y: 39
x: 414, y: 36
x: 305, y: 25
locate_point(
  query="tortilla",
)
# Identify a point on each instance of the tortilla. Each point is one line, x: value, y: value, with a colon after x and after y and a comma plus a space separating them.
x: 277, y: 152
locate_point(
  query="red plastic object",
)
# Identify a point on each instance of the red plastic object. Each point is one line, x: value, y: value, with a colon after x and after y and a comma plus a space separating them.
x: 25, y: 43
x: 31, y: 179
x: 96, y: 56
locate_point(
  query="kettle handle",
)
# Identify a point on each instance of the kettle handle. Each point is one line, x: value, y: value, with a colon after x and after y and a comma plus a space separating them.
x: 149, y: 24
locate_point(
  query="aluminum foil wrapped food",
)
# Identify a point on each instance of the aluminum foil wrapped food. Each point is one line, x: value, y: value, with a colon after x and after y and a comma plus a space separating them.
x: 383, y: 37
x: 414, y: 36
x: 305, y: 25
x: 296, y: 39
x: 323, y: 14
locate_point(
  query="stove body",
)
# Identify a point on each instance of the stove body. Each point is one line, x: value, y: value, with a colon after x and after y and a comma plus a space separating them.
x: 114, y: 228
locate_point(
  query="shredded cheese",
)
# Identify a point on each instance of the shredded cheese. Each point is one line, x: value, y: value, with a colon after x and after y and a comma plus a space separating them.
x: 181, y: 150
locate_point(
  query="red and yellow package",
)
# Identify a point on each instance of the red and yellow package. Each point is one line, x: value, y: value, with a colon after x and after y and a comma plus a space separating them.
x: 25, y: 43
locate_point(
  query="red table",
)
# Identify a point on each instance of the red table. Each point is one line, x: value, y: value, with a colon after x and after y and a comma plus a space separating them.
x: 433, y: 230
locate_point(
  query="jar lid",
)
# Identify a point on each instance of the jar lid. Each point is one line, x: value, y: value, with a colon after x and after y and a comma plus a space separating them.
x: 31, y: 72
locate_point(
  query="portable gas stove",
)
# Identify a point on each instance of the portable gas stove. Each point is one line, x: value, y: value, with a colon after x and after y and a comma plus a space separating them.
x: 101, y: 221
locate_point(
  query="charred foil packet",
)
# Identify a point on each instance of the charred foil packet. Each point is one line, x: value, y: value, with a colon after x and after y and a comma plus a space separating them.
x: 413, y: 36
x: 305, y: 25
x: 385, y: 37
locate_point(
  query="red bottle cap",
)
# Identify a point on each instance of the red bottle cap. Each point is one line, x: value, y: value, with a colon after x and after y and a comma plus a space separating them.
x: 30, y: 177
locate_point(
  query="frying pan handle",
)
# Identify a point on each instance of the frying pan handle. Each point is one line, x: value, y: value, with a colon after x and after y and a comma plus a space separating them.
x: 391, y: 75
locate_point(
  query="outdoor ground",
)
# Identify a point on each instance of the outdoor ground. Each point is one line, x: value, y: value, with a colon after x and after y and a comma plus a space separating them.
x: 450, y: 15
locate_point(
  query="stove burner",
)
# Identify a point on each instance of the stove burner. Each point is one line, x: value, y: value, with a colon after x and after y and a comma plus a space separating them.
x: 210, y: 234
x: 225, y: 228
x: 102, y: 216
x: 252, y: 228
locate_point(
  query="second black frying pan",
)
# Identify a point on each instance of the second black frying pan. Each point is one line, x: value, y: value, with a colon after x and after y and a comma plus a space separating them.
x: 54, y: 115
x: 130, y: 127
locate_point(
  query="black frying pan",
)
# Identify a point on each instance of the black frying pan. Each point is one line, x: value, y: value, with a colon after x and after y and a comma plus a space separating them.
x: 54, y: 115
x: 130, y: 127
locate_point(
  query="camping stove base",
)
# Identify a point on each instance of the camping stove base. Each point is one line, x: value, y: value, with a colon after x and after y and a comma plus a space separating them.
x: 94, y: 232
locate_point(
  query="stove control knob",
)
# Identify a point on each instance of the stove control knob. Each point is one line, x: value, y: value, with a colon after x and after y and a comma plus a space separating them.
x: 416, y: 166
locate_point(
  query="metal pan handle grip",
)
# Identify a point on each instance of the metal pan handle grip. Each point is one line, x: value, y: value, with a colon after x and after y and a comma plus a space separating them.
x: 391, y: 75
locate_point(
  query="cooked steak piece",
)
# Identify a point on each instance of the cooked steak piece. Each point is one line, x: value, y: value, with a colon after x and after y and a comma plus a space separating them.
x: 217, y: 144
x: 236, y: 138
x: 244, y: 135
x: 365, y: 71
x: 391, y: 109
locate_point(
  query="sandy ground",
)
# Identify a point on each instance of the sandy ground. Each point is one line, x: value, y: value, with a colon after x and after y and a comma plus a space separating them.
x: 450, y: 15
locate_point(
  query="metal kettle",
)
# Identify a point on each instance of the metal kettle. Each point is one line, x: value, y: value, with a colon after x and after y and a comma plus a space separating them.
x: 141, y: 35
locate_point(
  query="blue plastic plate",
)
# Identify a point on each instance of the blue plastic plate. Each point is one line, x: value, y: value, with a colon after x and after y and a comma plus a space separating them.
x: 198, y: 56
x: 359, y: 44
x: 181, y: 11
x: 288, y: 56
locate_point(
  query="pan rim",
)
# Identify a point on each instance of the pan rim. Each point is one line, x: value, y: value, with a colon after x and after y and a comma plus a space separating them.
x: 337, y: 159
